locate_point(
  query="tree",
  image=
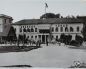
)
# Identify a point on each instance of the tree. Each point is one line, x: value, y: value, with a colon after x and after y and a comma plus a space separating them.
x: 57, y: 16
x: 68, y: 39
x: 79, y: 39
x: 84, y: 33
x: 65, y: 38
x: 50, y: 15
x: 62, y: 37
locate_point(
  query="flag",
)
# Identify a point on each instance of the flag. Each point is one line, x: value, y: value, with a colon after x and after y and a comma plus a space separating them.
x: 46, y: 5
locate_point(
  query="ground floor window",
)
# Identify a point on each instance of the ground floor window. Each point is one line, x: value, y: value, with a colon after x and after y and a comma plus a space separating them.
x: 31, y: 36
x: 35, y: 37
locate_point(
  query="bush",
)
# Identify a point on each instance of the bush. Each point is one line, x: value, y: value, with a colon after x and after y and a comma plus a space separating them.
x: 65, y: 38
x: 74, y: 43
x: 79, y: 39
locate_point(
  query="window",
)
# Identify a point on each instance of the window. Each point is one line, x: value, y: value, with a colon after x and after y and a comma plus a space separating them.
x: 35, y: 29
x: 63, y: 25
x: 77, y: 29
x: 71, y: 29
x: 20, y: 30
x: 32, y: 30
x: 24, y: 30
x: 61, y: 29
x: 35, y: 37
x: 66, y: 29
x: 28, y: 37
x: 31, y: 36
x: 56, y: 29
x: 28, y: 30
x: 52, y: 29
x: 57, y: 37
x: 23, y: 26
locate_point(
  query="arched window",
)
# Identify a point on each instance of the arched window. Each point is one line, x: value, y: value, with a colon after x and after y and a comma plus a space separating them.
x: 66, y: 29
x: 24, y: 30
x: 78, y: 29
x: 61, y: 29
x: 35, y: 29
x: 32, y: 30
x: 71, y: 29
x: 23, y: 26
x: 52, y: 29
x: 35, y: 37
x: 31, y: 36
x: 56, y: 29
x: 28, y: 30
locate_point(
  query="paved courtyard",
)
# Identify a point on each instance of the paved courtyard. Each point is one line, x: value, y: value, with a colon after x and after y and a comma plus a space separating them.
x: 47, y: 56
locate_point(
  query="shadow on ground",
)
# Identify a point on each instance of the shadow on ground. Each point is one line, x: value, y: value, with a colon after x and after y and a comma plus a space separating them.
x: 18, y: 66
x: 74, y: 47
x: 6, y: 49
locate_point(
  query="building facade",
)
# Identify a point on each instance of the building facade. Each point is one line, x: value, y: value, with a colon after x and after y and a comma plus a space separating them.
x: 44, y: 28
x: 6, y: 30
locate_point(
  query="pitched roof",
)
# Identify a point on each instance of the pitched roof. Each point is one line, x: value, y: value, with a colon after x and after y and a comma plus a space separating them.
x: 5, y: 30
x: 6, y: 16
x: 47, y: 21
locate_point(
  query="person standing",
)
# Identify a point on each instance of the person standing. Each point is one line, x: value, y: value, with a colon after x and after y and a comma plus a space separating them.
x: 47, y: 41
x: 39, y: 42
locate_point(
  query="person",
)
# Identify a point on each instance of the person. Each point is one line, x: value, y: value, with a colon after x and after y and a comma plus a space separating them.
x: 39, y: 42
x: 47, y: 41
x: 36, y: 42
x: 32, y: 41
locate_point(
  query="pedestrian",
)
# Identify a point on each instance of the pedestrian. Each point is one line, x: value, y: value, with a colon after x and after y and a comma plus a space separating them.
x: 47, y: 41
x: 39, y: 42
x: 36, y: 41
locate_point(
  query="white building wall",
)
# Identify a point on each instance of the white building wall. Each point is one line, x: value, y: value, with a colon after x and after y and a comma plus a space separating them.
x: 47, y: 26
x: 74, y: 26
x: 1, y: 25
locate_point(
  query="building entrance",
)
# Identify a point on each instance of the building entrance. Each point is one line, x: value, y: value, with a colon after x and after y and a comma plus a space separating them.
x: 44, y: 38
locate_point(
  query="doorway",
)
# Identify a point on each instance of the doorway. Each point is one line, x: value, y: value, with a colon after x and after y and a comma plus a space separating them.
x: 43, y: 38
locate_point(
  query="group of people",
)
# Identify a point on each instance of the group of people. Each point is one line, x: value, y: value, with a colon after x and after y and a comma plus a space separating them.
x: 37, y: 42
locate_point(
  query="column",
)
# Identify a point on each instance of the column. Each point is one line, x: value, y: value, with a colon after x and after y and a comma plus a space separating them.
x: 41, y: 38
x: 45, y: 38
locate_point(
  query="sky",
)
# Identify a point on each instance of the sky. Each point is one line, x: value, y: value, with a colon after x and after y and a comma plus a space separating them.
x: 33, y: 9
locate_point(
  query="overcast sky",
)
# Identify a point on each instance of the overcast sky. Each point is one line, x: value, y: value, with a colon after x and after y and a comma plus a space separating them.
x: 29, y: 9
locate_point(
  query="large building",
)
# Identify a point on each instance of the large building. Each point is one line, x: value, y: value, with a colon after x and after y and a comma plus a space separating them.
x: 6, y: 30
x: 43, y: 28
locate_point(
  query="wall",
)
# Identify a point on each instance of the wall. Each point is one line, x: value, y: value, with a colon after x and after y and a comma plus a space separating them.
x: 49, y: 26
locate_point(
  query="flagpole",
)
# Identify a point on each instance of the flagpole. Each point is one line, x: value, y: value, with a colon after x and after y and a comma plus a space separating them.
x: 46, y: 6
x: 45, y: 10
